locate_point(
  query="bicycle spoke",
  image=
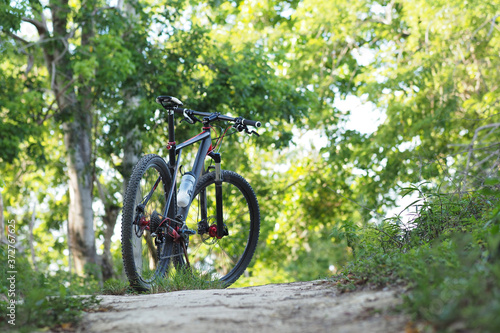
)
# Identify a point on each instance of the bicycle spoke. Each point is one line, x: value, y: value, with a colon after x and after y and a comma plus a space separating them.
x: 145, y: 258
x: 225, y: 258
x: 151, y: 193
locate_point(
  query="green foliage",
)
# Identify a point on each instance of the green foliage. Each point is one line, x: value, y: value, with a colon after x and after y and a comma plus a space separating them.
x: 454, y: 283
x: 429, y: 67
x: 447, y: 256
x: 186, y: 279
x: 10, y: 15
x: 43, y: 300
x: 183, y: 279
x: 116, y: 287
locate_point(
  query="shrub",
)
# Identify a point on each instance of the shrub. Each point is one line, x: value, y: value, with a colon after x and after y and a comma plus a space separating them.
x: 42, y: 300
x: 449, y: 257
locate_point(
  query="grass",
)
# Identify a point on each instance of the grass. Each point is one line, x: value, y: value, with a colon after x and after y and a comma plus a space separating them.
x: 449, y: 258
x: 116, y: 287
x: 185, y: 279
x: 182, y: 279
x: 52, y: 302
x: 42, y: 301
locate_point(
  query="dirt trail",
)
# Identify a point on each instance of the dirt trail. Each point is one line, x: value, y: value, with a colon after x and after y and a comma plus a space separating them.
x: 295, y: 307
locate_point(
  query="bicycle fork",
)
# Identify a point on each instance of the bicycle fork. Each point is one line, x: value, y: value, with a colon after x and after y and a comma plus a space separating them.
x: 218, y: 230
x: 221, y: 230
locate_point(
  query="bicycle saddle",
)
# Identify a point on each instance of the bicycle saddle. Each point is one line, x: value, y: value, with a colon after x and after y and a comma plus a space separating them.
x: 168, y: 101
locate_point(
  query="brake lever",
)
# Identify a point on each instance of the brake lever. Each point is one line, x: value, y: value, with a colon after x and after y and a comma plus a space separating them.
x: 251, y: 132
x: 241, y: 127
x: 189, y: 117
x: 186, y: 120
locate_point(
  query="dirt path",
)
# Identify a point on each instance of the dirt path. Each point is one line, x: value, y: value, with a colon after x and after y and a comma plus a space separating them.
x: 295, y: 307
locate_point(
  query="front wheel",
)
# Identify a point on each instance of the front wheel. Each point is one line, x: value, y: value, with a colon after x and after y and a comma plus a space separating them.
x: 146, y: 251
x: 223, y: 258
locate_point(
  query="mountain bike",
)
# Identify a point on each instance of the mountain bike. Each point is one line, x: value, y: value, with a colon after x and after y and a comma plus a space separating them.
x: 210, y: 222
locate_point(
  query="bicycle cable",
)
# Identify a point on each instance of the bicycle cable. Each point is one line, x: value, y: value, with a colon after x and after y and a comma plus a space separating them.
x: 218, y: 142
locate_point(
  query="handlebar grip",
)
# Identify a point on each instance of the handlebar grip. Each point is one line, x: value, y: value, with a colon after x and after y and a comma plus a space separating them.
x: 254, y: 123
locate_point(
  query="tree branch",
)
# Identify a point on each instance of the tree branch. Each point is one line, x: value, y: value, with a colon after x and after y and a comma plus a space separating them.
x: 31, y: 58
x: 40, y: 26
x: 102, y: 8
x: 16, y: 37
x: 471, y: 145
x: 47, y: 116
x: 387, y: 18
x: 103, y: 193
x: 493, y: 23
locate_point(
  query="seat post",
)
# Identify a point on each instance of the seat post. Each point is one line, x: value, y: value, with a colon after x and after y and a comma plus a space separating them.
x: 171, y: 139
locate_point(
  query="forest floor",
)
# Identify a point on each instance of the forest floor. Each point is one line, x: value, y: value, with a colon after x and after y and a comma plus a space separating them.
x: 315, y: 306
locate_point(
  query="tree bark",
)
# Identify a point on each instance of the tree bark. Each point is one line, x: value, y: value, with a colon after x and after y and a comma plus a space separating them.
x: 77, y: 112
x: 111, y: 211
x: 132, y: 144
x: 131, y: 153
x: 32, y: 238
x: 111, y: 214
x: 81, y: 215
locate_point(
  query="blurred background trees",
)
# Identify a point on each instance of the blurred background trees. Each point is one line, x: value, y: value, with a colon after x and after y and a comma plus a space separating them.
x: 78, y: 82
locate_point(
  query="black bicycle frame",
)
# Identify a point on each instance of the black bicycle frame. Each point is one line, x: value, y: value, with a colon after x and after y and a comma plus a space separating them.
x: 175, y: 152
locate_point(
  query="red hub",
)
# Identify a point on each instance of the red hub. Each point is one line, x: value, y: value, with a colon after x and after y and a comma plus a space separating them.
x: 143, y: 223
x: 212, y: 231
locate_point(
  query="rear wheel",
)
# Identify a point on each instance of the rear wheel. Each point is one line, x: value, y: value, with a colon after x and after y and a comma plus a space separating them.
x: 146, y: 250
x: 223, y: 258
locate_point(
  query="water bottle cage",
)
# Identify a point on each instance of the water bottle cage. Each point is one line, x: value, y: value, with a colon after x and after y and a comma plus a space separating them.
x: 186, y: 188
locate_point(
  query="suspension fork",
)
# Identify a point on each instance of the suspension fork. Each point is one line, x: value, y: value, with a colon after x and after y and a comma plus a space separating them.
x: 218, y: 195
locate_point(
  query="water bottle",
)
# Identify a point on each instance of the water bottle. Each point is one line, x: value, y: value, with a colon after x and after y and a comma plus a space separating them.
x: 185, y: 190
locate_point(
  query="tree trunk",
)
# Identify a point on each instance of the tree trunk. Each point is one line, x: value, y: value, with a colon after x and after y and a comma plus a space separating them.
x: 81, y: 215
x: 131, y: 153
x: 109, y: 220
x: 133, y: 145
x: 32, y: 238
x: 70, y: 254
x: 76, y: 108
x: 111, y: 211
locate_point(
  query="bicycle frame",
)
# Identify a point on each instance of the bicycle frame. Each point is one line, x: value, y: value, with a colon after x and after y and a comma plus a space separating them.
x: 163, y: 216
x: 175, y: 157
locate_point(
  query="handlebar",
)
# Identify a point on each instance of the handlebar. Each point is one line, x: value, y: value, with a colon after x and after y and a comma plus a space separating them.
x: 216, y: 116
x: 253, y: 123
